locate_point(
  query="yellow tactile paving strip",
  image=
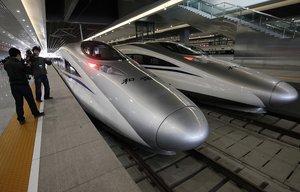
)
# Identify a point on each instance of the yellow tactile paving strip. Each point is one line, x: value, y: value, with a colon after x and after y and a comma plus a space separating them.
x: 16, y: 149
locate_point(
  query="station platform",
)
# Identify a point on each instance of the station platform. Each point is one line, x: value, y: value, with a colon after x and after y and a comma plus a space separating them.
x: 61, y: 151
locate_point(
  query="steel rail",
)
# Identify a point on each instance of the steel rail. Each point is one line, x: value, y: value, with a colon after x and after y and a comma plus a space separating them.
x: 254, y: 121
x: 249, y: 186
x: 158, y: 181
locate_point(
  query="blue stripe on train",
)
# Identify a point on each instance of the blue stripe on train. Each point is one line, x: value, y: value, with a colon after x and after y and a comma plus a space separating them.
x: 78, y: 81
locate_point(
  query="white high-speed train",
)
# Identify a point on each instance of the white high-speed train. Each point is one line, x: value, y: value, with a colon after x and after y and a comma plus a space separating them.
x: 131, y: 100
x: 210, y: 80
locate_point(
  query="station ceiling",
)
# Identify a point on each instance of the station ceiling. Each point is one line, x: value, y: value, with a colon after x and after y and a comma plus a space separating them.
x: 64, y: 18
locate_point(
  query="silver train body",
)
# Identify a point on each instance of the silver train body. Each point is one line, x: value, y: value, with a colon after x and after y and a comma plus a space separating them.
x: 131, y: 100
x: 214, y: 81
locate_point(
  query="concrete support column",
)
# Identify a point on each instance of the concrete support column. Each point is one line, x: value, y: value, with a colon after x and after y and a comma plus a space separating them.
x: 184, y: 37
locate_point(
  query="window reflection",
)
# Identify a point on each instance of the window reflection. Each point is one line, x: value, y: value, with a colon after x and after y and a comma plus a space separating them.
x: 70, y: 69
x: 100, y: 51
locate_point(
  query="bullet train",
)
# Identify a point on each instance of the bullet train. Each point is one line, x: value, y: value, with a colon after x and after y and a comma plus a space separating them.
x: 210, y: 80
x: 131, y: 100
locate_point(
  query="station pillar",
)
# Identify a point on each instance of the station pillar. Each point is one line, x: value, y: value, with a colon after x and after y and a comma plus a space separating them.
x: 184, y: 37
x: 144, y: 30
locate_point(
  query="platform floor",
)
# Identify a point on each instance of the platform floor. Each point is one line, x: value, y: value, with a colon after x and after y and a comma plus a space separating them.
x: 16, y: 149
x: 7, y: 102
x: 65, y: 152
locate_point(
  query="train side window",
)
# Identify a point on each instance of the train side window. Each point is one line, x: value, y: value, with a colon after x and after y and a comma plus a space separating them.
x: 178, y: 48
x: 160, y: 62
x: 148, y: 60
x: 70, y: 69
x: 141, y: 59
x: 137, y: 58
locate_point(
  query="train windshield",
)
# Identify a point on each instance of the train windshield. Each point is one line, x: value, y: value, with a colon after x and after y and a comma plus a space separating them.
x: 178, y: 48
x: 100, y: 51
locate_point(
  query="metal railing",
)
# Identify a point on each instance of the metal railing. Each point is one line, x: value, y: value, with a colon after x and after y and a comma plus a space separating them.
x: 284, y: 28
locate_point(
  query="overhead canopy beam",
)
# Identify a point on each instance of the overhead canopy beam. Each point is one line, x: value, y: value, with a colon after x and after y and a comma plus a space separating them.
x: 69, y: 8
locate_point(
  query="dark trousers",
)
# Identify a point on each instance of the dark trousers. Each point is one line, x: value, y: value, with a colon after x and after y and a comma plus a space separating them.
x: 38, y: 83
x: 23, y: 91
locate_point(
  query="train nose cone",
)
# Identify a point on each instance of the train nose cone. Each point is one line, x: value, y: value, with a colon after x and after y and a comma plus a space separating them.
x: 283, y: 93
x: 184, y: 129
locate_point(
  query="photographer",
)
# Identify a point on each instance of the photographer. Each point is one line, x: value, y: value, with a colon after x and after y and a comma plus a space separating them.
x: 40, y: 73
x: 20, y: 88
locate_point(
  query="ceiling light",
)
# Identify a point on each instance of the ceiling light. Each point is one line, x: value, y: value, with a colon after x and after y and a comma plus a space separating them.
x: 18, y: 11
x: 23, y: 20
x: 144, y: 14
x: 172, y: 28
x: 36, y: 13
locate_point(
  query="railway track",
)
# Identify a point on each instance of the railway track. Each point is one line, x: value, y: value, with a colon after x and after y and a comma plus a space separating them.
x: 202, y: 169
x: 274, y: 126
x: 246, y: 159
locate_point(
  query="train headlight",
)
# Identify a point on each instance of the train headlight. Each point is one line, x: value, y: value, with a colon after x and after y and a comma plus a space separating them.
x: 188, y: 58
x: 93, y: 65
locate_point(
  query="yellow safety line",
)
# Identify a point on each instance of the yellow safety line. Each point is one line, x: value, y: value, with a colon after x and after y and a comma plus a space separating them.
x: 16, y: 149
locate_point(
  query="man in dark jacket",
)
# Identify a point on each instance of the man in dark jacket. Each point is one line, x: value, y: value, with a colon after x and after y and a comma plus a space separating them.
x: 20, y: 88
x: 40, y: 74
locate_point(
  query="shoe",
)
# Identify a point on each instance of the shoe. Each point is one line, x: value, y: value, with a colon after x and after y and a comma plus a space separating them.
x: 48, y: 98
x: 38, y: 100
x: 22, y: 122
x: 39, y: 114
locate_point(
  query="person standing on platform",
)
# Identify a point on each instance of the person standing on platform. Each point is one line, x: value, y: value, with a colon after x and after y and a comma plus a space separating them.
x: 40, y: 74
x: 20, y: 88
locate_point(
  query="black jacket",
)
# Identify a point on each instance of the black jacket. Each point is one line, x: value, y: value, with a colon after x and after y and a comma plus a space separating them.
x: 38, y: 66
x: 16, y: 71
